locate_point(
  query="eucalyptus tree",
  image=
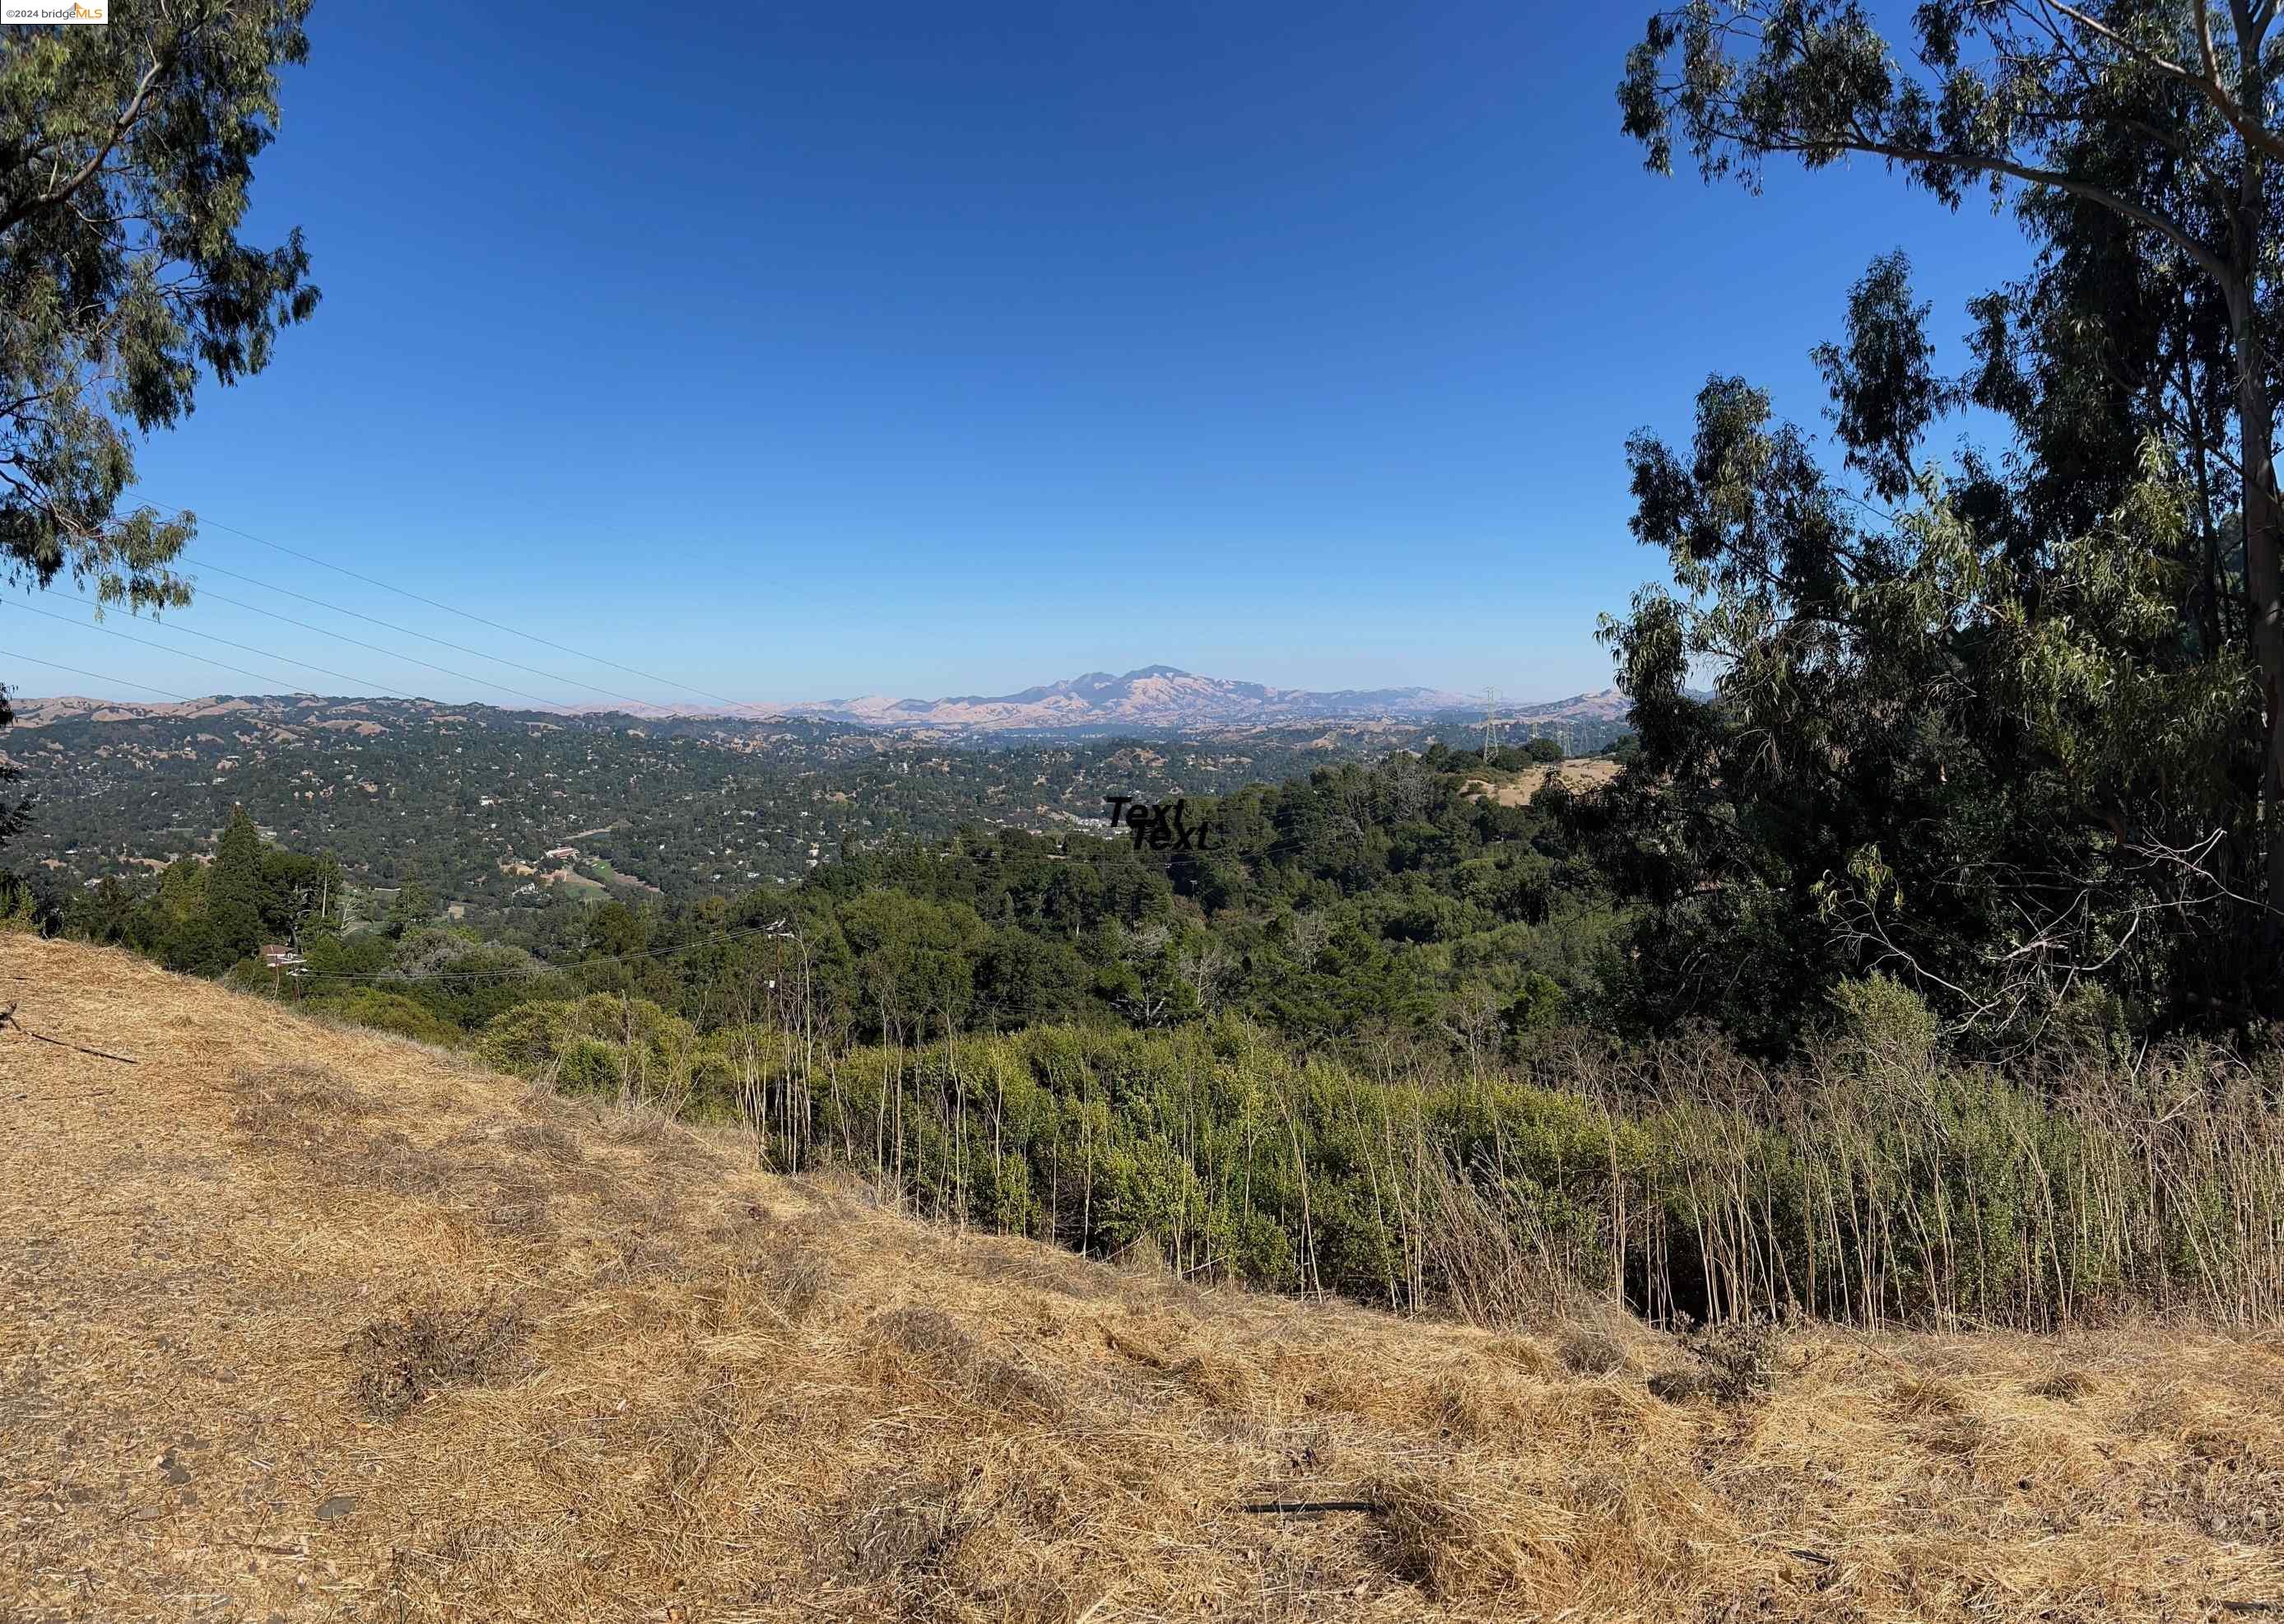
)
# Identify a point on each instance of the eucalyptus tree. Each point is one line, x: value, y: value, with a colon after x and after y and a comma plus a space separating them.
x: 2008, y: 773
x: 127, y: 156
x: 2136, y: 139
x: 127, y: 153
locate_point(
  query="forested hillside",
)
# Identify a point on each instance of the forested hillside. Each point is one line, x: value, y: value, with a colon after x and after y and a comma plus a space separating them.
x: 1396, y: 898
x: 468, y: 800
x: 1966, y: 755
x: 1381, y: 1026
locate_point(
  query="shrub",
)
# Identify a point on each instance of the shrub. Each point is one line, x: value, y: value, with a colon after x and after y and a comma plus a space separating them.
x: 1735, y: 1360
x: 385, y: 1011
x: 588, y: 1066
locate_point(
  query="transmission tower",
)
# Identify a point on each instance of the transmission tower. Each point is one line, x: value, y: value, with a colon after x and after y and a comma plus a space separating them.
x: 1492, y: 721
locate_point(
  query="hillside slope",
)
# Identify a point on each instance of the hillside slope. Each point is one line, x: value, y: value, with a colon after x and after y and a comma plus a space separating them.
x: 303, y: 1323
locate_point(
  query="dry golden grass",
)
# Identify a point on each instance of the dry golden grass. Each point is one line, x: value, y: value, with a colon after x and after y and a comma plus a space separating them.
x: 307, y: 1324
x: 1516, y: 788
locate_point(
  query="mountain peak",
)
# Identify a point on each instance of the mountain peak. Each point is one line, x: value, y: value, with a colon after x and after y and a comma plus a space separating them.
x: 1156, y: 696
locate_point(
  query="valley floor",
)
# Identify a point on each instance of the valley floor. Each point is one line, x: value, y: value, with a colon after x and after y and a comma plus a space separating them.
x: 305, y: 1323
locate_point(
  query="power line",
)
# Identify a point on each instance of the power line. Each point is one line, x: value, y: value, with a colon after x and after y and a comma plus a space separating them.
x: 365, y: 682
x: 541, y: 967
x: 321, y: 631
x: 464, y: 676
x: 111, y: 631
x: 271, y: 586
x: 464, y: 615
x: 96, y: 675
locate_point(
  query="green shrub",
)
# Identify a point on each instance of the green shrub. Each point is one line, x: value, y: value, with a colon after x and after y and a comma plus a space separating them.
x: 387, y: 1012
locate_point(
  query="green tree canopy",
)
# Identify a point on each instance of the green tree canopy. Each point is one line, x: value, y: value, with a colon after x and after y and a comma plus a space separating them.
x: 413, y: 906
x: 2136, y: 138
x: 2012, y: 780
x: 15, y: 810
x: 127, y: 154
x: 234, y: 891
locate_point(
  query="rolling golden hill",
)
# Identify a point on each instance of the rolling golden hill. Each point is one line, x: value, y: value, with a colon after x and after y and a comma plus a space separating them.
x: 303, y: 1323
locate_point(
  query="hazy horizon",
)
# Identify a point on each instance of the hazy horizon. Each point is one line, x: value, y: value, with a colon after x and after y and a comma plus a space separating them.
x: 1509, y: 698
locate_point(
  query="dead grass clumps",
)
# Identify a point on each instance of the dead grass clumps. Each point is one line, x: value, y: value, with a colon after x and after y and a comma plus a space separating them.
x: 988, y: 1455
x: 986, y: 1377
x: 296, y: 1107
x: 548, y: 1141
x: 1525, y: 1356
x: 2064, y: 1385
x: 929, y: 1333
x: 1221, y: 1382
x: 536, y: 1139
x: 1734, y: 1360
x: 1028, y: 1264
x: 797, y: 1283
x: 1922, y: 1398
x: 1676, y: 1387
x: 1452, y: 1545
x: 1936, y: 1413
x: 300, y: 1084
x: 401, y: 1359
x: 906, y: 1529
x: 948, y: 1543
x: 2163, y: 1411
x: 390, y: 1161
x: 1585, y: 1351
x: 525, y: 1220
x: 312, y: 1114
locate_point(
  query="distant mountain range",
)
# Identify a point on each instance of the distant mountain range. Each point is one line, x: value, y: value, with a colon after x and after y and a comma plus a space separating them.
x: 1154, y: 698
x: 1159, y: 698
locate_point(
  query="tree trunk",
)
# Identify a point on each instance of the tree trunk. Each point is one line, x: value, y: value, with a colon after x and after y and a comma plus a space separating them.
x: 2256, y: 439
x: 2256, y: 434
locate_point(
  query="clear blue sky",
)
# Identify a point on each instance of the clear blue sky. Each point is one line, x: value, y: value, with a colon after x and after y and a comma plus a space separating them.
x: 809, y: 350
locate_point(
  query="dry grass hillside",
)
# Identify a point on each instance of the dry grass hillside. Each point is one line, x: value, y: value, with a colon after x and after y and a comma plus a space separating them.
x: 301, y: 1324
x: 1516, y: 788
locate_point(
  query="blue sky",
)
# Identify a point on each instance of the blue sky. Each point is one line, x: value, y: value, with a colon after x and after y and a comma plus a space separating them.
x: 812, y: 350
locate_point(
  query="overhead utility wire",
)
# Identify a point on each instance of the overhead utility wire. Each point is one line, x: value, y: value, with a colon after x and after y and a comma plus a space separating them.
x: 289, y: 619
x: 541, y: 967
x: 407, y: 631
x: 321, y: 670
x: 112, y: 631
x: 97, y: 676
x: 466, y: 676
x: 562, y: 648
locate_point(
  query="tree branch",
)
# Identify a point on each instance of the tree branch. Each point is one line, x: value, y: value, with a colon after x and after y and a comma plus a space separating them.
x: 128, y: 117
x: 2207, y: 85
x: 2205, y: 259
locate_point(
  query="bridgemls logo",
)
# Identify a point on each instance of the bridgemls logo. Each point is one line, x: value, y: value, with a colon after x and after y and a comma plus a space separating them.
x: 49, y: 11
